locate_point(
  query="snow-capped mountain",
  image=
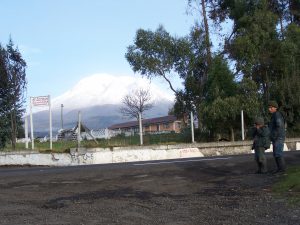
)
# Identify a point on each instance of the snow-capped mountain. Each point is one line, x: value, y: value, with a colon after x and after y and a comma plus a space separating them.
x: 99, y: 98
x: 102, y: 89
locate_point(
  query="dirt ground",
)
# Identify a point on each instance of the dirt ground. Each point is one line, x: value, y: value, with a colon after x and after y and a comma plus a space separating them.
x: 212, y: 191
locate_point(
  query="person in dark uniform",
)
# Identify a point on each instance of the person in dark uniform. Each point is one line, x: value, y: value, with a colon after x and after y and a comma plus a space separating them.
x: 261, y: 142
x: 277, y: 135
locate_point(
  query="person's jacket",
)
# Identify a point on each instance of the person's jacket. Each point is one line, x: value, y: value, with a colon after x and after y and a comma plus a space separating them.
x: 277, y: 126
x: 261, y: 138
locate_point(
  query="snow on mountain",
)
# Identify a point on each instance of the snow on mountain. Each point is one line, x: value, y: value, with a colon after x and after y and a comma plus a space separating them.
x: 101, y: 89
x: 99, y: 98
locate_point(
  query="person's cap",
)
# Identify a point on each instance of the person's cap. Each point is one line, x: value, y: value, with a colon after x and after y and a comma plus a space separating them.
x: 273, y: 104
x: 259, y: 121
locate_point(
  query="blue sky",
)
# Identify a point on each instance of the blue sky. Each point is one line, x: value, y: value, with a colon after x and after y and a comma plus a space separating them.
x: 63, y: 41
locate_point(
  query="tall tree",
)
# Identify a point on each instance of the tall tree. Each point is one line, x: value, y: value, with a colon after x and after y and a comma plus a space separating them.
x: 264, y: 47
x: 254, y: 41
x: 13, y: 86
x: 201, y: 6
x: 193, y: 69
x: 153, y: 54
x: 286, y: 88
x: 159, y: 54
x: 220, y: 107
x: 4, y: 122
x: 262, y: 51
x: 225, y: 98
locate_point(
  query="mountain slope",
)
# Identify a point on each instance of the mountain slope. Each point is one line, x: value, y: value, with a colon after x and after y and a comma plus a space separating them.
x: 102, y: 89
x: 99, y: 98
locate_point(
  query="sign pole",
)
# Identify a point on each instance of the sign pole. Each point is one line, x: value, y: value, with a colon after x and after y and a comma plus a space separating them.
x: 26, y: 132
x: 31, y: 125
x: 61, y: 116
x: 50, y: 122
x: 40, y: 101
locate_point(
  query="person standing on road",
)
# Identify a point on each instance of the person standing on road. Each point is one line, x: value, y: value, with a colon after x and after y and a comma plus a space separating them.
x: 261, y: 142
x: 277, y: 135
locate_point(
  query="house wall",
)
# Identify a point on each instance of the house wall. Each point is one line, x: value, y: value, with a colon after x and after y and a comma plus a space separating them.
x: 171, y: 126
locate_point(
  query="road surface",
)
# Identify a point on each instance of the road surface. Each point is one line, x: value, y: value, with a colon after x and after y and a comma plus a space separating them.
x: 217, y: 190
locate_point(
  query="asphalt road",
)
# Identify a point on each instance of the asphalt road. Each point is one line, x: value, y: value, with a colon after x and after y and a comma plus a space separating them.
x: 217, y: 190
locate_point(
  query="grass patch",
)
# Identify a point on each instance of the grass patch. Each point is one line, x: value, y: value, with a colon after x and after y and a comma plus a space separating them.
x: 118, y: 141
x: 289, y: 185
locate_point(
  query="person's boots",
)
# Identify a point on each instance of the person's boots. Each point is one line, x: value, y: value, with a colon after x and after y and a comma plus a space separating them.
x: 258, y: 165
x: 280, y: 163
x: 264, y: 168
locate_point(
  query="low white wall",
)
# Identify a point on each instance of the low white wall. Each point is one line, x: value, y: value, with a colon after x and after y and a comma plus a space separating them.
x: 84, y: 156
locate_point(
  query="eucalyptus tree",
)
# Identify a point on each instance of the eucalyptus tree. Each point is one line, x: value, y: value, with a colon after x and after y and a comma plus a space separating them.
x: 286, y: 88
x: 153, y: 54
x: 265, y: 48
x: 201, y: 6
x: 253, y: 44
x: 262, y: 51
x: 193, y: 68
x: 158, y: 54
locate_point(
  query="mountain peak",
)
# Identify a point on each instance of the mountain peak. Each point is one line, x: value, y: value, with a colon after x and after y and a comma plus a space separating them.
x: 101, y: 89
x: 99, y: 98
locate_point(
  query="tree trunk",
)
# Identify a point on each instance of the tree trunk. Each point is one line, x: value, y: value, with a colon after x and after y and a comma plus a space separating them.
x: 206, y: 27
x: 281, y: 26
x: 13, y: 130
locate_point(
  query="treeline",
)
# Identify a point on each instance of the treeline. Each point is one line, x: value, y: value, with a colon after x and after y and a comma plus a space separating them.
x: 12, y: 88
x: 258, y: 61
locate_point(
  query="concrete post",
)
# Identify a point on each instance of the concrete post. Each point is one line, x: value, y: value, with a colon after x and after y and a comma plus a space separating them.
x: 141, y: 128
x: 242, y: 122
x: 192, y: 127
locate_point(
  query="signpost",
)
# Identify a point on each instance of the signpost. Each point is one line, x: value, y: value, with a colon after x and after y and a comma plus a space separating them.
x: 26, y: 132
x: 37, y: 102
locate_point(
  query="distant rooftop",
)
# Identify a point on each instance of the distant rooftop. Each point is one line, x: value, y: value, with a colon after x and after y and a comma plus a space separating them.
x: 157, y: 120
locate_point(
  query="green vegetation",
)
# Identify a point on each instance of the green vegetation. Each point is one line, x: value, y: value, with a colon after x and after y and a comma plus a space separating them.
x: 118, y: 141
x: 289, y: 185
x: 12, y: 88
x: 258, y: 60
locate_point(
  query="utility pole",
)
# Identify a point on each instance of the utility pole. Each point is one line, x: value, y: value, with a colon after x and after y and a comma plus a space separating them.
x: 61, y: 116
x: 78, y: 130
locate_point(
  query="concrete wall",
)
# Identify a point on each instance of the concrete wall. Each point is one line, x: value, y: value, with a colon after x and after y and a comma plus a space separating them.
x: 84, y: 156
